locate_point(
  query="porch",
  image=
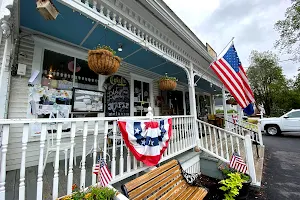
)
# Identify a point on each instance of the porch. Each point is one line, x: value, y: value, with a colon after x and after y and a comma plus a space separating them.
x: 151, y: 46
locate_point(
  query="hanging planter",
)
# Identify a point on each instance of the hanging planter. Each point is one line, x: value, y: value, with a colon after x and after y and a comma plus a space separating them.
x: 103, y: 60
x: 47, y: 9
x: 167, y: 83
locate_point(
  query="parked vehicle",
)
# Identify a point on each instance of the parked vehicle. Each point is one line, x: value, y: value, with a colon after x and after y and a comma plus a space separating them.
x: 289, y: 122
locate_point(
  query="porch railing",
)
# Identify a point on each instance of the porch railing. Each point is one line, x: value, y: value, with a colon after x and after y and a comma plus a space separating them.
x: 243, y: 127
x: 222, y: 143
x: 120, y: 161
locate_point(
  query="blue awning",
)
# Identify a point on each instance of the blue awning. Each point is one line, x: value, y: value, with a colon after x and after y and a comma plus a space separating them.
x: 77, y: 29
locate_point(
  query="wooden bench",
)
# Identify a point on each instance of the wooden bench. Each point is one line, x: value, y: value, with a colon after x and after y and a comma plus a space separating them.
x: 165, y: 182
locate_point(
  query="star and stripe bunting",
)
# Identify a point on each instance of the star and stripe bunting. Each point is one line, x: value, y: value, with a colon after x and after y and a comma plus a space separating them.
x: 230, y: 71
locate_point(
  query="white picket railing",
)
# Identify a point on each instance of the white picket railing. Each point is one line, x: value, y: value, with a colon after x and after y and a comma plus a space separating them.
x: 243, y: 127
x: 121, y: 162
x: 222, y: 143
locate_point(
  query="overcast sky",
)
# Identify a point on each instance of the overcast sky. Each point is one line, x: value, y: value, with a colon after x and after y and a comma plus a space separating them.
x: 251, y: 22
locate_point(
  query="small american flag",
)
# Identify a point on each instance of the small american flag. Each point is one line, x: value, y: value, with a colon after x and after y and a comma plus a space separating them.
x: 97, y: 167
x: 231, y: 72
x: 238, y: 163
x: 104, y: 174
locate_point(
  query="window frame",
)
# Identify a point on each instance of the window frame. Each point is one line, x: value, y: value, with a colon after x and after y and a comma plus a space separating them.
x: 135, y: 77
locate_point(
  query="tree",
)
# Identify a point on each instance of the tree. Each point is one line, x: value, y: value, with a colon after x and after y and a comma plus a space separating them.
x: 267, y: 80
x: 289, y: 30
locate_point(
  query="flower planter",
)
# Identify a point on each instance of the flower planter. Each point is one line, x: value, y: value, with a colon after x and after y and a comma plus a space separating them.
x: 244, y: 192
x: 103, y: 62
x: 165, y: 84
x: 47, y: 9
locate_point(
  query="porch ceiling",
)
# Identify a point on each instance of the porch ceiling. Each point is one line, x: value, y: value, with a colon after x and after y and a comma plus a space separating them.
x: 79, y: 30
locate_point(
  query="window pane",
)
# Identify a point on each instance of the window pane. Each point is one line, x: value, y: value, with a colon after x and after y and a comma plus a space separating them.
x: 84, y: 77
x: 137, y: 91
x: 295, y: 114
x: 55, y: 67
x: 146, y: 92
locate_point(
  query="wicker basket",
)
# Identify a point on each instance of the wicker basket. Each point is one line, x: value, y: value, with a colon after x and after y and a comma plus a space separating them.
x: 165, y: 84
x: 103, y: 62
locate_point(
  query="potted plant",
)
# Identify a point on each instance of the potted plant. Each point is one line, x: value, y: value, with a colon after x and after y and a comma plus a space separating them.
x: 91, y: 193
x: 47, y: 9
x: 235, y: 185
x: 103, y: 60
x: 167, y: 83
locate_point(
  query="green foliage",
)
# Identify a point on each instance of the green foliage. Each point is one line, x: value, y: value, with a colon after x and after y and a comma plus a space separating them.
x: 218, y: 111
x: 92, y: 193
x: 267, y: 80
x: 289, y: 30
x: 108, y: 48
x: 166, y: 77
x: 232, y: 185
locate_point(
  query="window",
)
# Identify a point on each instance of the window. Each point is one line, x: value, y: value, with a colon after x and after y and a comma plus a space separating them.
x: 141, y: 98
x: 295, y: 114
x: 59, y: 76
x: 141, y: 93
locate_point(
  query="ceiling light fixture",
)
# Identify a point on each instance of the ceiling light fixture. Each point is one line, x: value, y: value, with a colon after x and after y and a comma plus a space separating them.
x: 120, y: 48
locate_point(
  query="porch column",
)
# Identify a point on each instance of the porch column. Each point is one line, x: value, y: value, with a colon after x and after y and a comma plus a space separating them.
x: 192, y: 93
x: 224, y: 106
x: 4, y: 75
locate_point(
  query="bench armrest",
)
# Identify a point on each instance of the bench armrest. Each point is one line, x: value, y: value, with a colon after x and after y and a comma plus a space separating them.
x: 191, y: 179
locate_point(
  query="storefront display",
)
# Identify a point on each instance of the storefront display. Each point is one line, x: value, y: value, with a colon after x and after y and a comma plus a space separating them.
x: 87, y: 101
x: 141, y: 98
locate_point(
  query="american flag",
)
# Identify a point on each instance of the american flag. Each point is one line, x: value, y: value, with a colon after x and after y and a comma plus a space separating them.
x: 231, y: 72
x: 104, y: 174
x: 97, y: 167
x: 238, y: 163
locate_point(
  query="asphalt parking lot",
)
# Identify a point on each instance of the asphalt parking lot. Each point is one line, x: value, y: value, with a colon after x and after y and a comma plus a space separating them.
x: 281, y: 176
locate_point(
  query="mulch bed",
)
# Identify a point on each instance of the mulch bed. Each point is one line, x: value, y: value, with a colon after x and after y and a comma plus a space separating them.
x: 213, y: 187
x: 214, y: 193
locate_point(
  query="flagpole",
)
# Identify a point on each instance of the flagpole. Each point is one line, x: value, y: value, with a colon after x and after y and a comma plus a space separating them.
x: 231, y: 41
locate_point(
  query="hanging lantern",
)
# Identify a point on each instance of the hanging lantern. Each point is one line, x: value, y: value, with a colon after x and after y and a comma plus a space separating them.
x: 47, y: 9
x: 167, y: 83
x: 103, y: 61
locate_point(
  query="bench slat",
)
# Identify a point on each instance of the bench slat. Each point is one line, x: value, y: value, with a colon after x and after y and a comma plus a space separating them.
x: 155, y: 183
x: 199, y: 195
x: 175, y: 190
x: 184, y: 195
x: 166, y: 188
x: 150, y: 175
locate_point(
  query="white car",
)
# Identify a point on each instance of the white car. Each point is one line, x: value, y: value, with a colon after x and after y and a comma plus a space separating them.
x: 289, y: 122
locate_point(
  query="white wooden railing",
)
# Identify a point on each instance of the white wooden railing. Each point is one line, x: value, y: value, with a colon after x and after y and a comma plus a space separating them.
x: 121, y: 162
x: 222, y: 143
x: 243, y: 127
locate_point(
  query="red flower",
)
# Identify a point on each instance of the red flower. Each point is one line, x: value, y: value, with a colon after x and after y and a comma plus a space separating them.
x: 74, y: 186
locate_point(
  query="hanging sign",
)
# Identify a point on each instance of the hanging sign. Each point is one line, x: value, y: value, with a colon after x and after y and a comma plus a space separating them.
x: 117, y: 96
x: 147, y: 140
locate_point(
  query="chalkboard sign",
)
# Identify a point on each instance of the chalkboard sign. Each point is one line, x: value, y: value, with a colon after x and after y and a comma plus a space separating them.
x: 117, y: 96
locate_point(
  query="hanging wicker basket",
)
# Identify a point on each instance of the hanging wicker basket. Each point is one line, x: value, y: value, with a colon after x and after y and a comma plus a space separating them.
x: 103, y: 62
x: 167, y: 84
x: 231, y: 101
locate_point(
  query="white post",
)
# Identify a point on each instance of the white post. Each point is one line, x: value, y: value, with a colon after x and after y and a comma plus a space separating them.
x: 70, y: 174
x: 249, y: 157
x: 39, y: 190
x: 6, y: 32
x: 23, y: 162
x: 260, y: 135
x: 193, y: 108
x: 5, y: 136
x: 56, y: 163
x: 83, y: 160
x: 224, y: 106
x: 96, y: 127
